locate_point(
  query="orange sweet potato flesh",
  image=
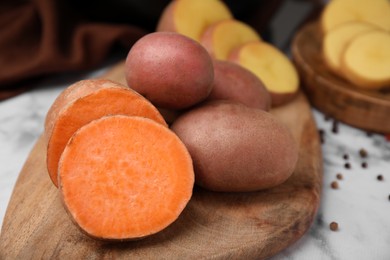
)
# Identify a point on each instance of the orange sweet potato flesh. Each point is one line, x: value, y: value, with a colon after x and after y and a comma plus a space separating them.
x: 125, y: 177
x: 83, y: 102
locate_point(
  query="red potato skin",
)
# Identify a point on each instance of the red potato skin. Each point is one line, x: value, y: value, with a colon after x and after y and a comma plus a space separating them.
x: 236, y: 83
x: 277, y: 98
x: 280, y: 99
x: 235, y: 148
x: 170, y: 70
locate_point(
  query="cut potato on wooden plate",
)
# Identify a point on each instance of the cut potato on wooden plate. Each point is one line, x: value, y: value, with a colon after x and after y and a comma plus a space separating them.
x: 337, y: 12
x: 366, y: 60
x: 337, y: 39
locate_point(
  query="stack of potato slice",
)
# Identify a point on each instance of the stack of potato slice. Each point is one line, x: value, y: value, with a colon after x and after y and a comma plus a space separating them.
x: 356, y: 42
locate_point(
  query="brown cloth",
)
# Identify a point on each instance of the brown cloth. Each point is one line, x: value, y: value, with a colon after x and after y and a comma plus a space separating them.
x: 42, y: 37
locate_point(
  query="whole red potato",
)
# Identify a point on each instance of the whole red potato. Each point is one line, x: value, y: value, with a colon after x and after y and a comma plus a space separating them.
x: 236, y: 83
x: 170, y: 70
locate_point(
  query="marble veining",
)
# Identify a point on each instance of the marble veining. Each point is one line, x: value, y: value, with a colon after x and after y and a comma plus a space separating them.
x: 360, y: 205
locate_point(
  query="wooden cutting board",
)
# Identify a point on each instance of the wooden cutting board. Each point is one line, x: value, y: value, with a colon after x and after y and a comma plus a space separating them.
x: 368, y: 110
x: 253, y: 225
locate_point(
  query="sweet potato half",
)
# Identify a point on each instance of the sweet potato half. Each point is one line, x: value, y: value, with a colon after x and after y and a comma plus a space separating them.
x: 125, y: 177
x: 83, y: 102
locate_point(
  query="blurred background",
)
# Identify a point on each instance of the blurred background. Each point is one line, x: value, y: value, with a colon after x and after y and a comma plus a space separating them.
x: 40, y: 38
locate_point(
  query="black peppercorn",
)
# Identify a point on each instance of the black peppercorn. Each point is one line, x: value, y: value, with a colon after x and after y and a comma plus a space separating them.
x: 334, y: 226
x: 363, y: 153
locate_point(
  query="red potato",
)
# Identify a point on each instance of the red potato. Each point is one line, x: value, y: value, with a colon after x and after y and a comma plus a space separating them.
x: 169, y: 69
x: 125, y: 177
x: 235, y: 148
x: 83, y: 102
x: 236, y: 83
x: 273, y: 68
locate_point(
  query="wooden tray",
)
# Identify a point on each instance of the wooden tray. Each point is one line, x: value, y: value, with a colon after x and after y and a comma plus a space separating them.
x: 337, y: 98
x: 214, y: 225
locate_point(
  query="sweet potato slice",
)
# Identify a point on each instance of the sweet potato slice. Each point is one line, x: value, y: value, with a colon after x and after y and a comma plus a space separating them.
x: 125, y: 177
x: 83, y: 102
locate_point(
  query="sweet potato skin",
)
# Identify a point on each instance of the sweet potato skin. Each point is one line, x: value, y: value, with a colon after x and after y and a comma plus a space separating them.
x: 169, y: 69
x: 236, y: 148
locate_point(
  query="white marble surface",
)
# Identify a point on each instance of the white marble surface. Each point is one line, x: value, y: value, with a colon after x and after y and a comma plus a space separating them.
x: 361, y: 205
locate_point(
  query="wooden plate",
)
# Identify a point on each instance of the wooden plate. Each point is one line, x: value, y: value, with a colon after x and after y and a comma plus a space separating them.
x: 214, y: 225
x: 368, y: 110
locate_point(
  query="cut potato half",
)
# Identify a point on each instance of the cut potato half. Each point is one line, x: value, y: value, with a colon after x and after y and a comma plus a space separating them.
x: 337, y: 39
x: 222, y: 37
x: 337, y: 12
x: 191, y: 17
x: 272, y: 66
x: 366, y: 60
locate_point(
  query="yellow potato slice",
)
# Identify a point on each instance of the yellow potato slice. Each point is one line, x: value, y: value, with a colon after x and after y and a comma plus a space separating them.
x: 366, y: 60
x: 337, y: 12
x: 337, y: 39
x: 273, y: 68
x: 192, y: 17
x: 222, y: 37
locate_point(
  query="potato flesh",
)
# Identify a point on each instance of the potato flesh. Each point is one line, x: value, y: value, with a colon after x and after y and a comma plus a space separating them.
x: 336, y: 40
x: 271, y: 66
x: 337, y: 12
x: 367, y: 58
x: 230, y: 34
x: 192, y: 17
